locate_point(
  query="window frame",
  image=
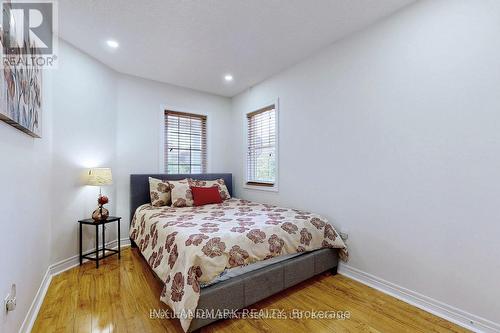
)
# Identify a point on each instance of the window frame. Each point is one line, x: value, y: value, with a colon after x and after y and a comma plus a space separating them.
x: 164, y: 142
x: 263, y: 186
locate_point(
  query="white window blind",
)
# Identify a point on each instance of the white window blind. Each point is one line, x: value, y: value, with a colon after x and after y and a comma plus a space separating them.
x: 261, y: 154
x: 185, y: 143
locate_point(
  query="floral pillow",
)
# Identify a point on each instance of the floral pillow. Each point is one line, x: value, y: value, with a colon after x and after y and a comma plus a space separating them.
x: 181, y: 193
x: 159, y: 190
x: 219, y: 183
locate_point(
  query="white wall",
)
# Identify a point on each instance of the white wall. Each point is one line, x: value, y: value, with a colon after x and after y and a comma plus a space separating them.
x: 24, y: 212
x: 103, y: 118
x: 140, y: 106
x: 84, y: 131
x: 394, y: 134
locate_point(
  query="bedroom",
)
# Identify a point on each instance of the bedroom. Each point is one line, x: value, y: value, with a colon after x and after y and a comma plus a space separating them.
x: 380, y: 119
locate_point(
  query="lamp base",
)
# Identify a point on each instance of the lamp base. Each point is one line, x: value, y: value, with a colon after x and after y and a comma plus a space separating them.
x: 100, y: 214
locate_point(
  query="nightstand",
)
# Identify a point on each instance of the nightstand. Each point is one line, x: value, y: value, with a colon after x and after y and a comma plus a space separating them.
x: 110, y: 219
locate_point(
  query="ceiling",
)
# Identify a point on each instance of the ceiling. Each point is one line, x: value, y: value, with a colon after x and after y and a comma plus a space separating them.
x: 194, y: 43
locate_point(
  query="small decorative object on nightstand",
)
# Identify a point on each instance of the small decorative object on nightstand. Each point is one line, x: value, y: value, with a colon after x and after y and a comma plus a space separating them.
x: 104, y: 249
x: 100, y: 177
x: 101, y: 213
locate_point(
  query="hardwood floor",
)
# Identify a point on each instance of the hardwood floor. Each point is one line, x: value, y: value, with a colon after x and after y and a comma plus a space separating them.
x: 119, y: 295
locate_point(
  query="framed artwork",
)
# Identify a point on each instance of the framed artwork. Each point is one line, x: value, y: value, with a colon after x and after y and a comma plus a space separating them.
x: 20, y: 92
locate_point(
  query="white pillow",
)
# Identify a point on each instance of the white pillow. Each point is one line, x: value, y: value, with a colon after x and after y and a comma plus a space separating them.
x: 181, y: 193
x: 159, y: 190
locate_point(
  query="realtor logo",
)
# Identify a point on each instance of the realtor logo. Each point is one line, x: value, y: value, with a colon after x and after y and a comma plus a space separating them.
x: 28, y: 35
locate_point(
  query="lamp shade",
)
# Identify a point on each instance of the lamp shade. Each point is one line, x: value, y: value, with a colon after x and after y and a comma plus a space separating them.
x: 100, y: 177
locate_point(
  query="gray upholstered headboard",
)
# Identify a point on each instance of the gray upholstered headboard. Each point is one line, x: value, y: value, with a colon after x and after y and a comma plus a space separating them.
x: 139, y: 185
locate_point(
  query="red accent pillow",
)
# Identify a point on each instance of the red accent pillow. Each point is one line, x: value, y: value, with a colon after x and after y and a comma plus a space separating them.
x: 206, y: 195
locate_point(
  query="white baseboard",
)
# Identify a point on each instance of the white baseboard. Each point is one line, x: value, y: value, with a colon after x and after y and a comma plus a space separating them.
x: 29, y: 320
x: 52, y: 271
x: 448, y: 312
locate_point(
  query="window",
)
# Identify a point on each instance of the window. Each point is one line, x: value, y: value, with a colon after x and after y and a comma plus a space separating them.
x: 262, y: 147
x: 185, y: 142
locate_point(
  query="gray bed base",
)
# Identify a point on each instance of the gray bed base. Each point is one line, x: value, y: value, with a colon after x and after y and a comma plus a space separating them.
x: 243, y: 290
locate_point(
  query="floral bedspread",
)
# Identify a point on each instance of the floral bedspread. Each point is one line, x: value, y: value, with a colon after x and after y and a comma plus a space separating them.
x: 191, y: 245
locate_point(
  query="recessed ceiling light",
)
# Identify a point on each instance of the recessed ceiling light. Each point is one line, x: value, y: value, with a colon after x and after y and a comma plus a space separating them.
x: 112, y: 43
x: 228, y: 77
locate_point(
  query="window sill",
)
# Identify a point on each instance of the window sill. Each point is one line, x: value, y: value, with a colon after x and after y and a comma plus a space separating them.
x: 261, y: 188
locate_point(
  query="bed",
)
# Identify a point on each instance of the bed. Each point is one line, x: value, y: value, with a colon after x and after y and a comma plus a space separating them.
x: 233, y: 277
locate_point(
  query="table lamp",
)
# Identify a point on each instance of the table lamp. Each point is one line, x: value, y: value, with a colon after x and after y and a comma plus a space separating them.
x: 100, y: 177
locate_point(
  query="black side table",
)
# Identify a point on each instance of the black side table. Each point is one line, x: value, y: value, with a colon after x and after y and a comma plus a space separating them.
x: 104, y: 249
